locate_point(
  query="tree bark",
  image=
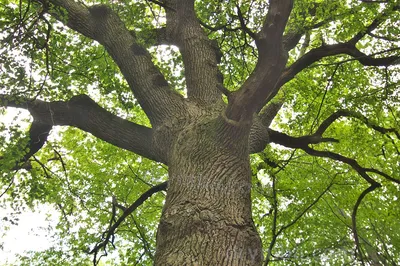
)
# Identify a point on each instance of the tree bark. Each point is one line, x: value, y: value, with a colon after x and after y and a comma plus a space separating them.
x: 207, y: 216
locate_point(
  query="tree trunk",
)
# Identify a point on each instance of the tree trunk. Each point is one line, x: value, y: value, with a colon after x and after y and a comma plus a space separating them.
x: 207, y: 214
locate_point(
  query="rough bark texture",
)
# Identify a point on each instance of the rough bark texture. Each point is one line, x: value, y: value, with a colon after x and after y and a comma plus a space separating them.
x: 207, y: 214
x: 205, y: 143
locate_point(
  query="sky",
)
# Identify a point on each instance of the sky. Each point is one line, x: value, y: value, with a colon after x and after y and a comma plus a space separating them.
x: 31, y: 232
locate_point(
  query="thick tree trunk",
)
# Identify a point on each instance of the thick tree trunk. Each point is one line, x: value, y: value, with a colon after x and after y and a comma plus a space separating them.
x: 207, y: 215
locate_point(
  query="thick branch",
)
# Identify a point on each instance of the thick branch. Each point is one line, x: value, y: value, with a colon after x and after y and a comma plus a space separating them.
x: 38, y: 134
x: 275, y: 22
x: 258, y: 138
x: 271, y: 62
x: 82, y: 112
x: 296, y: 142
x: 100, y: 23
x: 200, y: 54
x: 268, y: 113
x: 155, y: 37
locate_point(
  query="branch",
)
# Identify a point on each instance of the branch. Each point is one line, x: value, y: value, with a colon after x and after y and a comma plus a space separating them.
x: 374, y: 24
x: 154, y: 37
x: 305, y: 210
x: 354, y: 215
x: 111, y: 231
x: 220, y: 27
x: 291, y: 39
x: 275, y: 23
x: 348, y: 48
x: 317, y: 54
x: 347, y: 113
x: 38, y: 134
x: 258, y: 137
x: 102, y: 24
x: 82, y: 112
x: 297, y: 142
x: 243, y: 23
x: 351, y: 162
x: 272, y: 59
x: 268, y: 114
x: 200, y: 55
x: 303, y: 142
x: 160, y: 4
x: 374, y: 1
x: 275, y: 233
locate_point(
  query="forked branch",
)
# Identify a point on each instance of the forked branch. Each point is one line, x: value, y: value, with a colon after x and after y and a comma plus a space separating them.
x: 200, y: 55
x: 317, y: 54
x: 348, y: 48
x: 101, y: 23
x: 107, y: 237
x: 304, y: 142
x: 272, y: 59
x: 83, y: 113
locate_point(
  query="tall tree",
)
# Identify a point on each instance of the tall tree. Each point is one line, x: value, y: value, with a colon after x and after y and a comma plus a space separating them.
x: 309, y: 87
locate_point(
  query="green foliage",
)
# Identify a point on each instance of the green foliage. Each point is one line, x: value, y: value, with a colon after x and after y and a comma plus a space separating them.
x: 302, y: 204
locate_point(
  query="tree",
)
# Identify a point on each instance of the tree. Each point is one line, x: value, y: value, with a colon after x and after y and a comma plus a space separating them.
x: 276, y: 121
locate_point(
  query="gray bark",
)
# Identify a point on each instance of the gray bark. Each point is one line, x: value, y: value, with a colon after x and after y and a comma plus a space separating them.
x: 206, y: 144
x: 207, y: 217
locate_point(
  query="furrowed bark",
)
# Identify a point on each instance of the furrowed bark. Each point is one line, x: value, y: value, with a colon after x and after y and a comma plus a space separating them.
x: 207, y: 214
x: 38, y: 133
x: 82, y: 112
x: 100, y: 23
x: 203, y: 78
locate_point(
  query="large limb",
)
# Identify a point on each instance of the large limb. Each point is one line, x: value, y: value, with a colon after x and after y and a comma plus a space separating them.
x: 199, y: 53
x: 102, y: 24
x: 348, y: 48
x: 271, y: 62
x: 82, y: 112
x: 258, y: 138
x: 38, y: 133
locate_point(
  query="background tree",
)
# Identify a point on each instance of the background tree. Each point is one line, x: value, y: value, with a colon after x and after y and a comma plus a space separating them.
x: 191, y: 89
